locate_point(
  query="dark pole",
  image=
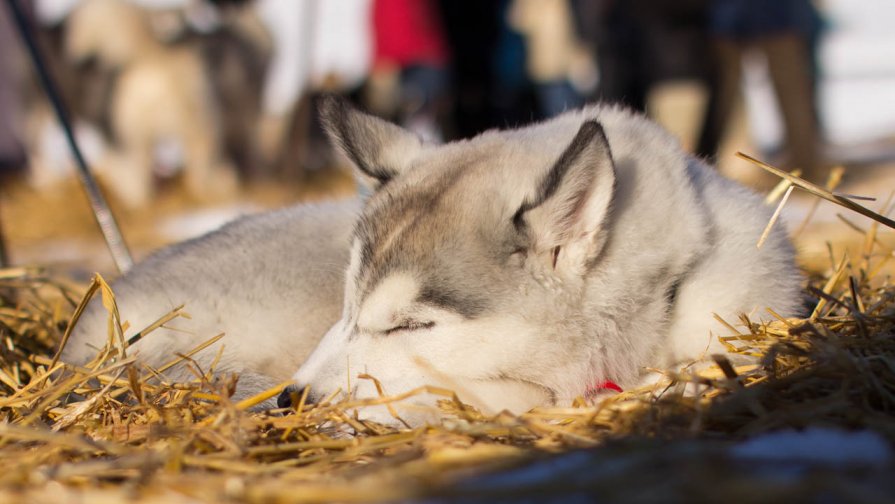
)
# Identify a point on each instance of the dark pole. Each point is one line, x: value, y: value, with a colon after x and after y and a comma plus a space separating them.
x: 104, y: 217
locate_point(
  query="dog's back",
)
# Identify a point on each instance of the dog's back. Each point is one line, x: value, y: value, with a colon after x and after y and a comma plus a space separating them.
x: 272, y: 283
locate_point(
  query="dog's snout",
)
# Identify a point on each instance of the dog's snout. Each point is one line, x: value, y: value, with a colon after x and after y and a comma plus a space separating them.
x: 291, y: 395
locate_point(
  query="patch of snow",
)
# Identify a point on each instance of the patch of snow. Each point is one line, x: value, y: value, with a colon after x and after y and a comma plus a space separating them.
x: 542, y: 471
x: 817, y: 446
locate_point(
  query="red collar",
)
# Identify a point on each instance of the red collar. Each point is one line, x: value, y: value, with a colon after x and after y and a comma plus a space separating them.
x: 603, y: 386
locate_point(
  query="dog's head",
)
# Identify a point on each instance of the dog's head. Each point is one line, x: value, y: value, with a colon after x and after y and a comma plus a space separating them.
x: 467, y: 265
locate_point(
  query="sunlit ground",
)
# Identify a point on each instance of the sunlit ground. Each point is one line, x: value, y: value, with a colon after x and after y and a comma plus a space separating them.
x: 55, y: 228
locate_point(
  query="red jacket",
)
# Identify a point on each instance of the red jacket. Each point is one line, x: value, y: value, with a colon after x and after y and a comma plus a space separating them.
x: 408, y: 32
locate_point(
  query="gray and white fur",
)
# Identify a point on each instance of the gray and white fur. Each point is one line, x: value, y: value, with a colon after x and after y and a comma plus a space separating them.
x: 271, y: 282
x: 518, y: 268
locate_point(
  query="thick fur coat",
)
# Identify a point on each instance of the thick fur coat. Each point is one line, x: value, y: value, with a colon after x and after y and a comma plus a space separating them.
x: 518, y: 268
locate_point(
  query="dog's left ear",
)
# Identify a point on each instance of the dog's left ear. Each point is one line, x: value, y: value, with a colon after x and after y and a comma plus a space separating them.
x: 378, y: 149
x: 569, y: 209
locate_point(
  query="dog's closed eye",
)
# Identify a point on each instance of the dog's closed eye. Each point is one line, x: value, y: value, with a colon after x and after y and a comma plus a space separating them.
x: 410, y: 325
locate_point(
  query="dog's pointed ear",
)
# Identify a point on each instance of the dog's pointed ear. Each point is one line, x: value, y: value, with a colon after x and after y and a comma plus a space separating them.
x: 569, y: 209
x: 378, y: 149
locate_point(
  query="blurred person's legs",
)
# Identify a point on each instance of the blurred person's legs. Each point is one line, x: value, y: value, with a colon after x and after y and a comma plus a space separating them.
x: 724, y: 128
x: 12, y: 155
x: 790, y: 70
x: 724, y: 90
x: 513, y: 97
x: 679, y: 105
x: 620, y: 58
x: 782, y: 31
x: 472, y: 28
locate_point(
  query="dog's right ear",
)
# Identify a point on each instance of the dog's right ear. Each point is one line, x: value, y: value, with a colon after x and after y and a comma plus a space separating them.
x: 568, y: 211
x: 378, y: 149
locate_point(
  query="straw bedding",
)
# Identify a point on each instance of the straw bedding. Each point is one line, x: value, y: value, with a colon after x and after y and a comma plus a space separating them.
x: 117, y: 430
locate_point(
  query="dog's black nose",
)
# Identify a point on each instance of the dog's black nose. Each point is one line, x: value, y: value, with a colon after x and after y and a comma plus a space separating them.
x: 284, y: 400
x: 290, y: 396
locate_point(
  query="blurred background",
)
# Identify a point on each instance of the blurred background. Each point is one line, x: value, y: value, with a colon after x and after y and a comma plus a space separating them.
x: 192, y: 112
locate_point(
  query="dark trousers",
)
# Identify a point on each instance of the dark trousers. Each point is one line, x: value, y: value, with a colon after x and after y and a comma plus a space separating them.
x: 11, y: 152
x: 789, y: 66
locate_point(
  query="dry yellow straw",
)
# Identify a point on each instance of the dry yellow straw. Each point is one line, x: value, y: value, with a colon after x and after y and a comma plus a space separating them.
x: 821, y: 192
x: 263, y: 396
x: 767, y: 229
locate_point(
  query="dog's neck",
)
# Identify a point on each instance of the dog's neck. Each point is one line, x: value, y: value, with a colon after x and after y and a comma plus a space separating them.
x: 610, y: 386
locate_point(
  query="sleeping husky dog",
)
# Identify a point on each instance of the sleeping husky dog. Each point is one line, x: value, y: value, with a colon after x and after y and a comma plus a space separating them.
x: 519, y: 268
